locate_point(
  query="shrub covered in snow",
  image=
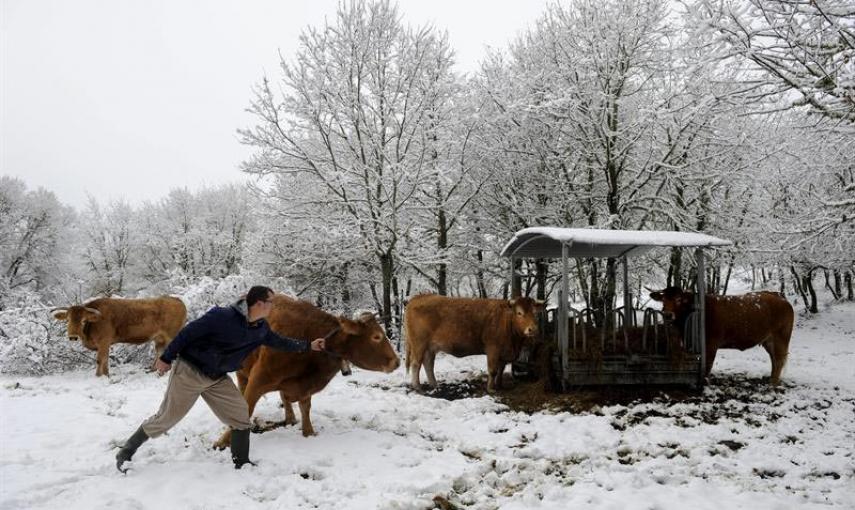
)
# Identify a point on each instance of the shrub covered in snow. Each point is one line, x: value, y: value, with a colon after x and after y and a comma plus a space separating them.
x: 32, y: 342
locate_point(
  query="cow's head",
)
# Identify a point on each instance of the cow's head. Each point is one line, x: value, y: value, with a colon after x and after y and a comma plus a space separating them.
x: 363, y: 342
x: 77, y: 317
x: 524, y: 312
x: 676, y: 303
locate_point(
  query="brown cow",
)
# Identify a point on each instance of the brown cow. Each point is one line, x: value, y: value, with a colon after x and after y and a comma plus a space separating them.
x: 103, y: 322
x: 298, y: 376
x: 737, y: 322
x: 464, y: 327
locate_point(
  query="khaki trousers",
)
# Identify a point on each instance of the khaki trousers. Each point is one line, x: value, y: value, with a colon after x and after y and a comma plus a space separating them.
x: 185, y: 386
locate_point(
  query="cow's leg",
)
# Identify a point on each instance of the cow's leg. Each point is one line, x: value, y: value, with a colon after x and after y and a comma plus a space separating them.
x: 499, y: 375
x: 778, y: 351
x: 769, y: 345
x: 492, y: 370
x: 782, y: 352
x: 290, y: 417
x: 305, y: 409
x: 242, y: 380
x: 415, y: 360
x: 429, y: 358
x: 160, y: 341
x: 103, y: 360
x: 710, y: 351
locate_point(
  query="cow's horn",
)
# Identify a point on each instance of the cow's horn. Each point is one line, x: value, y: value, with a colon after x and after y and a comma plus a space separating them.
x: 93, y: 310
x: 54, y: 311
x: 649, y: 289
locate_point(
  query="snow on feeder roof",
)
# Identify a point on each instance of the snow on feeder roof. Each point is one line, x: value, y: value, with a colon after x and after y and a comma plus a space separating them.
x: 546, y: 242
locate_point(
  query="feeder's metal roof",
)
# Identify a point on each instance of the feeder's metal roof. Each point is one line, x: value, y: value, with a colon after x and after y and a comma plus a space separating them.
x: 546, y: 242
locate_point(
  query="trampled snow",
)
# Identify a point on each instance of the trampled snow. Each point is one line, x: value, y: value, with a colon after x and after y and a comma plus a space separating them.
x: 741, y: 444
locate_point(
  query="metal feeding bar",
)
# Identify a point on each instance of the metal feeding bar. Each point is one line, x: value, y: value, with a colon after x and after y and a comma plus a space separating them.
x: 629, y: 368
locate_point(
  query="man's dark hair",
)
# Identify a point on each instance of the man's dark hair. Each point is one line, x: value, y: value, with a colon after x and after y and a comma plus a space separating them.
x: 256, y: 294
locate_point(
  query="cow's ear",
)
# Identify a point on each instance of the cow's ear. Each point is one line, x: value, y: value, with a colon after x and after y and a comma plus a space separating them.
x: 656, y: 296
x: 91, y: 315
x: 349, y: 327
x: 60, y: 315
x: 539, y: 305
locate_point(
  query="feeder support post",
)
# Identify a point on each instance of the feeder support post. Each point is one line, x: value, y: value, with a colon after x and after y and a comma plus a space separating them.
x: 700, y: 305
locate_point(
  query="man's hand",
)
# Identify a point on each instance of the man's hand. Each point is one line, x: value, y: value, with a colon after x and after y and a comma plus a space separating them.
x: 161, y: 366
x: 319, y: 344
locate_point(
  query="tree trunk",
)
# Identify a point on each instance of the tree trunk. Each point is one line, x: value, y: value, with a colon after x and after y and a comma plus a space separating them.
x: 594, y: 287
x: 797, y: 284
x: 387, y: 271
x: 516, y: 279
x: 828, y: 286
x: 479, y: 275
x: 838, y: 284
x: 675, y: 269
x: 442, y: 244
x: 541, y: 271
x: 583, y: 280
x: 848, y: 279
x: 345, y: 289
x: 396, y: 318
x: 727, y: 277
x: 373, y: 288
x: 808, y: 284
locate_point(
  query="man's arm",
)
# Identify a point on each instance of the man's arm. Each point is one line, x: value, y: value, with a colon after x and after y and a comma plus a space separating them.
x: 189, y: 334
x: 288, y: 344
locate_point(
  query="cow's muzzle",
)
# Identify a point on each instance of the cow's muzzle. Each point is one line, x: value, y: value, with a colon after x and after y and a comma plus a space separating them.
x: 393, y: 365
x: 73, y: 337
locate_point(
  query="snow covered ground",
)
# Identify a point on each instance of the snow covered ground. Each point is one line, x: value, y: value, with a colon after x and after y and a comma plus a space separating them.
x: 742, y: 444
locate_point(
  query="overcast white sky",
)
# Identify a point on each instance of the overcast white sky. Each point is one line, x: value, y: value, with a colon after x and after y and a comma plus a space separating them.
x: 133, y: 98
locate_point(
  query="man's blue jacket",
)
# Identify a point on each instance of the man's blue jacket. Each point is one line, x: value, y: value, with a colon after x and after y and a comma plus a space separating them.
x: 217, y: 342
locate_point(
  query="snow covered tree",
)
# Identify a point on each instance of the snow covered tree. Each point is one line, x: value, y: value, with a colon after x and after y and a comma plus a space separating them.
x: 352, y: 120
x: 199, y: 233
x: 595, y: 111
x: 110, y: 238
x: 34, y: 229
x: 805, y: 50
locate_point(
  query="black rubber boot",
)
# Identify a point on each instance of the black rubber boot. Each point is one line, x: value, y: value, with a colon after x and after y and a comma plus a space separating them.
x: 240, y: 448
x: 130, y: 448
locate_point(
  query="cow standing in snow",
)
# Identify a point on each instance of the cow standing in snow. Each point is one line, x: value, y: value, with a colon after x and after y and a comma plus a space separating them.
x: 465, y: 327
x: 103, y: 322
x: 737, y: 322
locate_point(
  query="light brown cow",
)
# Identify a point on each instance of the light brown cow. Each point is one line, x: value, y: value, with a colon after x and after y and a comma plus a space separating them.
x: 298, y: 376
x: 737, y: 322
x: 464, y: 327
x: 103, y: 322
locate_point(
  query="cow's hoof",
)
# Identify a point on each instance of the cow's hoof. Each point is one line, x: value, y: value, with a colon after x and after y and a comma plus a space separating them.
x: 309, y: 433
x: 222, y: 443
x: 290, y: 421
